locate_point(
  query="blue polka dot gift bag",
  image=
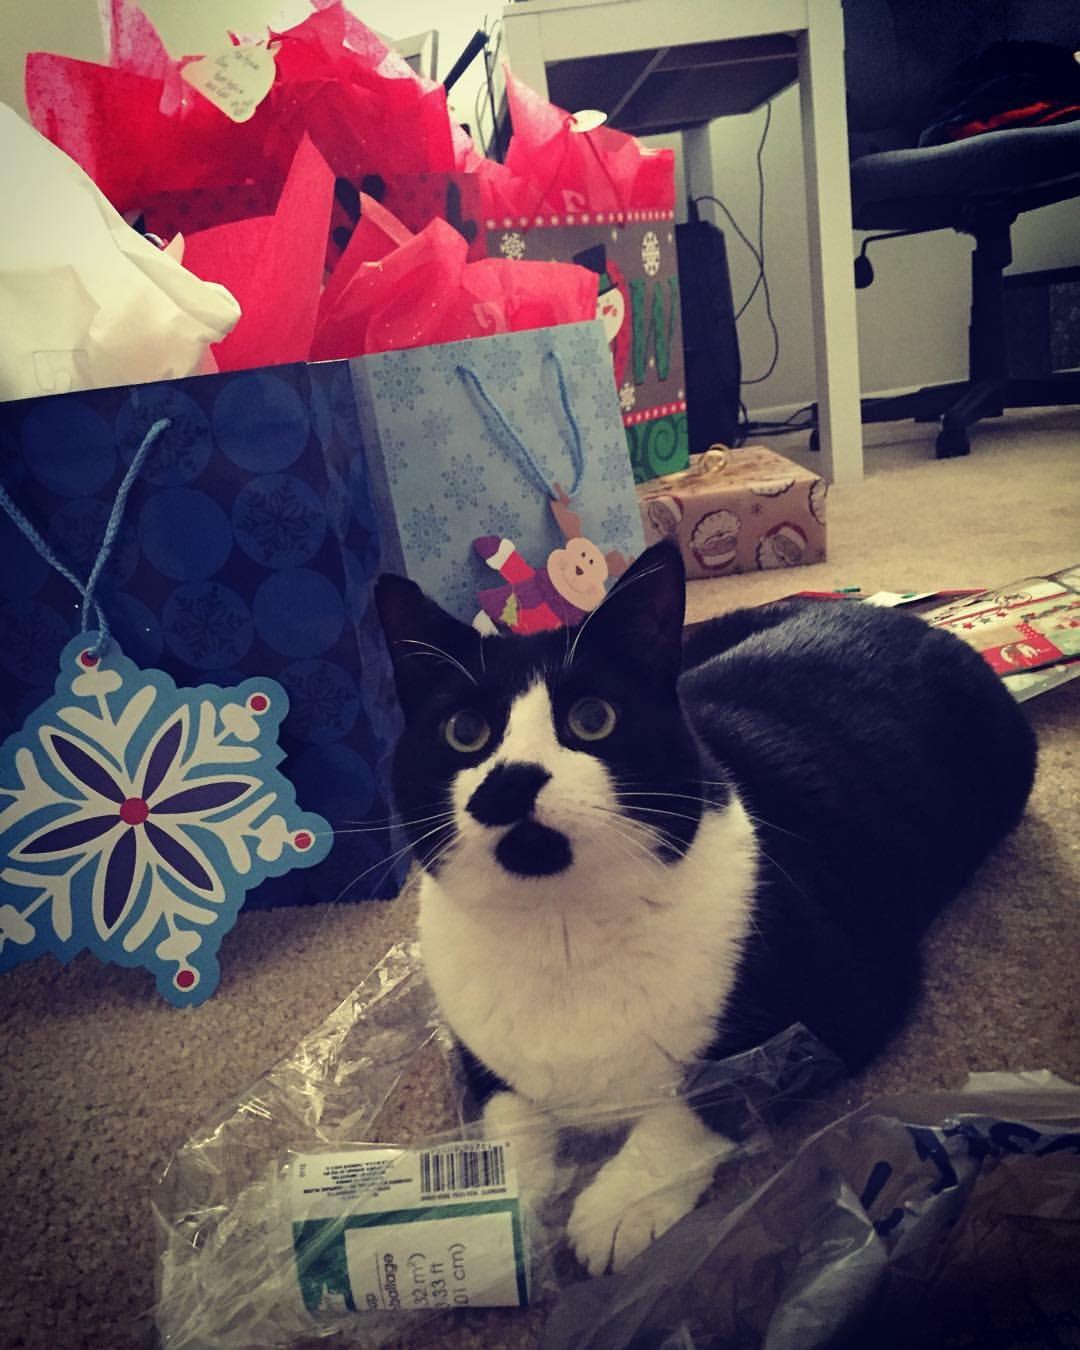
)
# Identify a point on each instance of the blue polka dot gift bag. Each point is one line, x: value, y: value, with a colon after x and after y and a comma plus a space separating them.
x: 240, y: 571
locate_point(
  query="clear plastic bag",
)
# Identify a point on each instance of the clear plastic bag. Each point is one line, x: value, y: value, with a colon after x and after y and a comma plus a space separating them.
x: 283, y: 1220
x: 945, y: 1219
x: 938, y: 1219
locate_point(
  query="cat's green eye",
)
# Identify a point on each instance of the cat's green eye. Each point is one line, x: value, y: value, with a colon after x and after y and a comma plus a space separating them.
x: 466, y: 731
x: 591, y: 719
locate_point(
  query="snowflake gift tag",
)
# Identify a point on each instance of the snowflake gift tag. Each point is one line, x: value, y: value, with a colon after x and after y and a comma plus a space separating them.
x: 135, y: 817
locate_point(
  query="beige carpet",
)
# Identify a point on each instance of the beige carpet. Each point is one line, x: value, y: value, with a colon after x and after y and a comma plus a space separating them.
x: 101, y: 1080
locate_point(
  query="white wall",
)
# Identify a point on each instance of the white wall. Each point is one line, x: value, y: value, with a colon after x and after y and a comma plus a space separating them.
x: 192, y: 26
x: 912, y: 321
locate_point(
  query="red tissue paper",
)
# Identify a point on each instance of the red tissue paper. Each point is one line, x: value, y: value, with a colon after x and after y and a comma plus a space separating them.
x: 267, y: 198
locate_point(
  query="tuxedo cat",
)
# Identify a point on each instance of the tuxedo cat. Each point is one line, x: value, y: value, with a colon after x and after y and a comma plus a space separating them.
x: 636, y: 853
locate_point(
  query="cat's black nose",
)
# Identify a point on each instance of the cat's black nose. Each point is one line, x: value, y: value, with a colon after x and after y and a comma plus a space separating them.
x: 507, y: 794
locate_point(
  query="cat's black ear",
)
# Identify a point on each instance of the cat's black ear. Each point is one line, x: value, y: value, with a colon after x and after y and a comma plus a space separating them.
x: 428, y: 647
x: 641, y: 618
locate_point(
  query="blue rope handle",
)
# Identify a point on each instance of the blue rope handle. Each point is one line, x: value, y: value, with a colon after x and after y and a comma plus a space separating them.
x: 533, y: 469
x: 108, y: 539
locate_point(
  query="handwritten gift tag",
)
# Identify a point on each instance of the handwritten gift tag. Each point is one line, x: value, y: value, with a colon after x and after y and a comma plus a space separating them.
x: 236, y: 80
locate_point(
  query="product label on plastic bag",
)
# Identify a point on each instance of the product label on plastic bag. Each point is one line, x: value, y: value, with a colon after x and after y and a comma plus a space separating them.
x: 390, y: 1229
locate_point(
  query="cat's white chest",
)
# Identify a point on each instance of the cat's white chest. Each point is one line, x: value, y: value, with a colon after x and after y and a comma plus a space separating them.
x: 589, y: 1000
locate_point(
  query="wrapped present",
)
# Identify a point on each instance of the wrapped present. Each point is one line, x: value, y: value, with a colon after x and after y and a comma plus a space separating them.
x: 738, y: 511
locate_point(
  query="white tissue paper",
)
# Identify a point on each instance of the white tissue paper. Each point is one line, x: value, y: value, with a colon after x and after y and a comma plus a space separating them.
x: 87, y: 302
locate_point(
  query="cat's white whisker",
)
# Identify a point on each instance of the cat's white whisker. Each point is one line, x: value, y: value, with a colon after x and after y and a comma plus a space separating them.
x: 429, y: 649
x: 624, y: 585
x: 439, y: 853
x: 393, y: 824
x: 636, y: 832
x: 387, y: 863
x: 662, y: 811
x: 771, y: 825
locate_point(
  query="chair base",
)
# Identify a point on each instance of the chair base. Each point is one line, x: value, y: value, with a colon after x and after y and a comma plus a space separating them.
x: 957, y: 407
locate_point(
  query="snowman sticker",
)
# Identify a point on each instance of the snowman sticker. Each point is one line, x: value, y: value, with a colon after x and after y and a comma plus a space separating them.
x: 612, y: 304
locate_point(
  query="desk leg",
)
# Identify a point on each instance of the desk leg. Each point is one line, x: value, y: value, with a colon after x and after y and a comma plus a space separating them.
x: 828, y: 214
x: 697, y: 165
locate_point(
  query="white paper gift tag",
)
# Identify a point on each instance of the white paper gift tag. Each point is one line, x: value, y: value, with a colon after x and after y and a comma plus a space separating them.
x: 235, y: 79
x: 394, y: 1229
x: 587, y: 119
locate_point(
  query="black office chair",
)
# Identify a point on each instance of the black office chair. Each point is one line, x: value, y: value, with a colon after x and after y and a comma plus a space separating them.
x: 900, y: 55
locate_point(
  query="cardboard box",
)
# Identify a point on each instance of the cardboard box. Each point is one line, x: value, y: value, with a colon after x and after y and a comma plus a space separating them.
x: 738, y: 511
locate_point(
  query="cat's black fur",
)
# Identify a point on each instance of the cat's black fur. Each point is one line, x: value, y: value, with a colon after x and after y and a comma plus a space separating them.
x: 880, y: 759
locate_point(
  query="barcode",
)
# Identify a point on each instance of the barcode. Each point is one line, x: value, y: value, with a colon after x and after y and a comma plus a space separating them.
x: 460, y: 1169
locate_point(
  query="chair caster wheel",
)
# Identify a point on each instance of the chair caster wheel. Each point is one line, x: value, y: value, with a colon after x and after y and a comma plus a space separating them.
x: 952, y: 441
x: 814, y: 443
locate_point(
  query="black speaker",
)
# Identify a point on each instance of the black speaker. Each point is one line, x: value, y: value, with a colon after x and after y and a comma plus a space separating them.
x: 710, y: 339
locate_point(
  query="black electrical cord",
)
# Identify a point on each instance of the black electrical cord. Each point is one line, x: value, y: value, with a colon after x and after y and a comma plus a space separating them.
x: 761, y: 282
x: 490, y: 57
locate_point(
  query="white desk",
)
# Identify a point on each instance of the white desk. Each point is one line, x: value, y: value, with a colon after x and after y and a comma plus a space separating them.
x: 673, y: 65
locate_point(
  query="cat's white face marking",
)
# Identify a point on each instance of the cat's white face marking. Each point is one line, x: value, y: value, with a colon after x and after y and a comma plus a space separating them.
x: 577, y: 800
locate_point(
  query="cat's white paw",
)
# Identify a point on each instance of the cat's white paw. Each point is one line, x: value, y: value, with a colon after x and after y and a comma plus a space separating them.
x: 532, y: 1144
x: 536, y: 1175
x: 612, y: 1222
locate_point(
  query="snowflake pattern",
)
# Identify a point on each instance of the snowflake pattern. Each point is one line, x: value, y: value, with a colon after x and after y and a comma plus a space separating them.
x: 512, y: 245
x: 580, y: 347
x: 627, y: 396
x: 614, y: 466
x: 616, y: 524
x: 463, y: 482
x: 650, y: 253
x: 208, y: 625
x: 135, y: 816
x: 323, y: 700
x: 503, y: 366
x: 504, y: 520
x: 278, y: 521
x: 75, y: 532
x: 29, y: 628
x: 537, y: 405
x: 428, y: 532
x: 397, y: 378
x: 394, y: 462
x: 460, y: 593
x: 436, y: 428
x: 182, y: 451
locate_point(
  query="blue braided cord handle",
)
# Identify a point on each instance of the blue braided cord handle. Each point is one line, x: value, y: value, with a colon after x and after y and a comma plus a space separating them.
x: 112, y: 528
x: 532, y: 467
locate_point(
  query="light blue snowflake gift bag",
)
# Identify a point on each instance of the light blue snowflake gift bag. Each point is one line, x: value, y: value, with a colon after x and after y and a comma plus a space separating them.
x: 229, y: 743
x: 473, y: 440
